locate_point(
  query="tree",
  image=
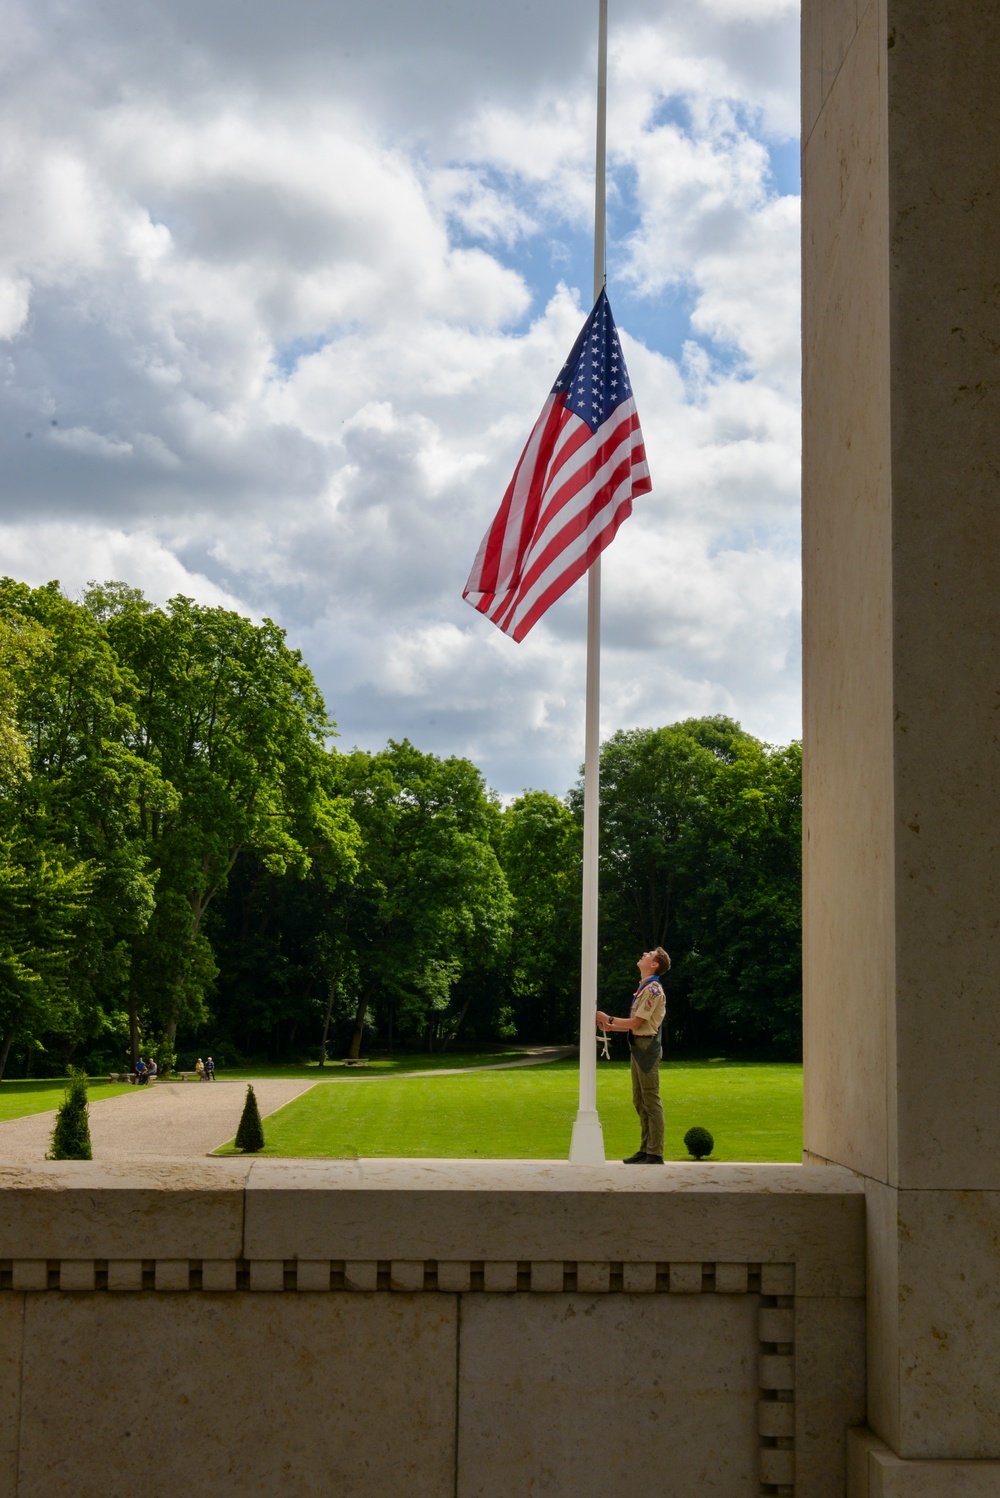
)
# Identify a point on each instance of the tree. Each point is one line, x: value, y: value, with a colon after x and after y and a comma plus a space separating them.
x: 87, y: 796
x: 285, y: 963
x: 700, y: 853
x: 540, y: 857
x: 231, y: 718
x: 429, y: 902
x: 40, y: 905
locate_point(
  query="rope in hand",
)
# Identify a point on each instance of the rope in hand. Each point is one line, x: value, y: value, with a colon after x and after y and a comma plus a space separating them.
x: 606, y: 1052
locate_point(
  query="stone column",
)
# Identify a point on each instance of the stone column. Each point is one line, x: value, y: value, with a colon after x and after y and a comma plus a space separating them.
x: 901, y: 495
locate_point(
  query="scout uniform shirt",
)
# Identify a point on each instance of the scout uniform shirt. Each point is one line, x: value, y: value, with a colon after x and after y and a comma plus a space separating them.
x: 650, y: 1005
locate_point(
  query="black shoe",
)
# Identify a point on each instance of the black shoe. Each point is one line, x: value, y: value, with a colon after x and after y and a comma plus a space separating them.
x: 639, y: 1158
x: 652, y: 1159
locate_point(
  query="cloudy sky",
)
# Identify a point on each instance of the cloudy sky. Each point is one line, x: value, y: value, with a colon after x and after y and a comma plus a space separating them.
x: 283, y: 287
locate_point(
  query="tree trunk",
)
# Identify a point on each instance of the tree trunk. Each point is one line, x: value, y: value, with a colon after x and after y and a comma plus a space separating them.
x: 133, y: 1025
x: 359, y: 1021
x: 331, y: 994
x: 199, y: 904
x: 5, y: 1052
x: 453, y: 1034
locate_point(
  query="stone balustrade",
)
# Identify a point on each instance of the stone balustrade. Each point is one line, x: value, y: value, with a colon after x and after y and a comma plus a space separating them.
x: 438, y: 1327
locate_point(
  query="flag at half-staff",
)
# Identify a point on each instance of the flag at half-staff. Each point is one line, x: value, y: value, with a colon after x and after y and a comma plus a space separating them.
x: 572, y: 488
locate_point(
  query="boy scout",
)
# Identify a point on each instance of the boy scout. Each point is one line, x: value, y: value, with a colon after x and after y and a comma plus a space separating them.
x: 645, y: 1026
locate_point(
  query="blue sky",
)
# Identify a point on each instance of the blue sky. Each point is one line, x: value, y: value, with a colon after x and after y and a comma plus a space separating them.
x: 282, y: 290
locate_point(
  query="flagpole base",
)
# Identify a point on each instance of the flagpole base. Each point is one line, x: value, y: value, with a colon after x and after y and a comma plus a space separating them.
x: 587, y: 1144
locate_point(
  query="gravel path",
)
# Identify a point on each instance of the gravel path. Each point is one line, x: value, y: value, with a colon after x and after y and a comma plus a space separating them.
x: 170, y: 1120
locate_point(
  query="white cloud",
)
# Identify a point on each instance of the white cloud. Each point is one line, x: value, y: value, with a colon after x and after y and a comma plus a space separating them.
x: 15, y: 296
x: 76, y: 554
x: 282, y: 298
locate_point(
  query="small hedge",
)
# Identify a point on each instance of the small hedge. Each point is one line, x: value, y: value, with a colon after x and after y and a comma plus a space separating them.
x: 71, y: 1134
x: 699, y: 1142
x: 250, y: 1134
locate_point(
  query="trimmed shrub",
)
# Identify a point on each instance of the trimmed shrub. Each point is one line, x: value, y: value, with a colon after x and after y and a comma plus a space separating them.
x: 71, y: 1134
x: 250, y: 1134
x: 699, y: 1142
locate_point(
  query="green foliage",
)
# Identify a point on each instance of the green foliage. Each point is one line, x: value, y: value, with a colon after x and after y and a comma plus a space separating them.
x: 41, y: 902
x: 21, y: 643
x: 699, y: 1142
x: 233, y: 721
x: 250, y: 1134
x: 429, y: 904
x: 71, y: 1133
x: 540, y: 857
x: 155, y: 747
x: 84, y: 799
x: 701, y: 854
x: 180, y: 847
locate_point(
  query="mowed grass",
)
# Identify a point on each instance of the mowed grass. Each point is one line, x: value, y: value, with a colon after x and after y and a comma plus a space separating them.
x: 311, y: 1071
x: 753, y: 1110
x: 19, y: 1098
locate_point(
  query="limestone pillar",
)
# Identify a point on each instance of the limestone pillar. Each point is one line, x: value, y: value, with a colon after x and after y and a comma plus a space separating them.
x: 901, y: 486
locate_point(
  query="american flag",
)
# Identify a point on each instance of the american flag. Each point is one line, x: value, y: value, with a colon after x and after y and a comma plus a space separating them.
x: 572, y: 488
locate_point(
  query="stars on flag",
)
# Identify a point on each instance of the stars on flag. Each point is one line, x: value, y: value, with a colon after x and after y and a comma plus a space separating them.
x: 593, y: 376
x: 572, y: 488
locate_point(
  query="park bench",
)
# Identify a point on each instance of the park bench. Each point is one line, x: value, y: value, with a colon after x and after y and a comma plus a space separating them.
x: 354, y: 1061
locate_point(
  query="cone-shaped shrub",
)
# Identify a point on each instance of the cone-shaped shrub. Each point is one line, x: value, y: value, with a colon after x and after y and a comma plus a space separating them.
x: 71, y: 1135
x: 699, y: 1142
x: 250, y: 1134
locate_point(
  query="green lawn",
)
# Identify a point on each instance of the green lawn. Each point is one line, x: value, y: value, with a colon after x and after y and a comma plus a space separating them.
x: 19, y: 1098
x: 377, y: 1066
x: 754, y: 1111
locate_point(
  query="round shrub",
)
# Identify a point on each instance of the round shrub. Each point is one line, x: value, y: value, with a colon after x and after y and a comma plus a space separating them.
x: 699, y: 1142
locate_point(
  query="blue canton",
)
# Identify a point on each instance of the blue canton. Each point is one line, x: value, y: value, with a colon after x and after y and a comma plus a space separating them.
x: 594, y: 377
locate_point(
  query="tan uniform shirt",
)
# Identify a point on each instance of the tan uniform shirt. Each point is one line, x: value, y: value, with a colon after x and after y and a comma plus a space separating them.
x: 649, y: 1005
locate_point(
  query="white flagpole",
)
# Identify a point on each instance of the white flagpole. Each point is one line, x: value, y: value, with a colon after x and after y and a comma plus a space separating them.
x: 587, y: 1144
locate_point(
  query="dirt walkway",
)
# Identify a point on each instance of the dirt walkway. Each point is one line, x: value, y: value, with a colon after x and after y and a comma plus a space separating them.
x: 169, y: 1120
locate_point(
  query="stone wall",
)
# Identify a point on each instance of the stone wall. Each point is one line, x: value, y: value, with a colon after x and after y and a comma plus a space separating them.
x: 901, y: 794
x: 408, y: 1328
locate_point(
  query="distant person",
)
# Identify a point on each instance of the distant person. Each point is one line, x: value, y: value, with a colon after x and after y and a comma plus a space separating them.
x: 210, y: 1069
x: 140, y: 1072
x: 151, y: 1069
x: 199, y: 1069
x: 645, y: 1029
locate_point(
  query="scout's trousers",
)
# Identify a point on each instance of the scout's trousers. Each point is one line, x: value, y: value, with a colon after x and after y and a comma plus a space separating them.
x: 646, y: 1100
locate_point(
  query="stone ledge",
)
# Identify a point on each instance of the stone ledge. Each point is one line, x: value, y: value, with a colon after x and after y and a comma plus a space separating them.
x: 409, y: 1212
x: 547, y: 1211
